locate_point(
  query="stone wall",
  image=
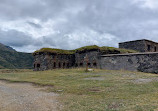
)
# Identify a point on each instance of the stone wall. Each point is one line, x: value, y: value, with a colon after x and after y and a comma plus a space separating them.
x: 140, y: 45
x: 90, y: 57
x: 151, y: 46
x: 46, y: 61
x: 144, y: 62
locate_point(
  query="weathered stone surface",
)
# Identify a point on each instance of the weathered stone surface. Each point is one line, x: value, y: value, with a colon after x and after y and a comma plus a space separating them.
x: 144, y: 62
x: 140, y: 45
x: 47, y: 61
x: 52, y: 61
x: 90, y: 57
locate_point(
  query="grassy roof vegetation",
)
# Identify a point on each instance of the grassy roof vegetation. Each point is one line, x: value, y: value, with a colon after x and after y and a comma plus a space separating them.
x: 54, y: 51
x: 103, y: 50
x: 87, y: 48
x: 112, y: 50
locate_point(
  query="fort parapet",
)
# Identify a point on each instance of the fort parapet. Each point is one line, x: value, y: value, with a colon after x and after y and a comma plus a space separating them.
x: 144, y: 62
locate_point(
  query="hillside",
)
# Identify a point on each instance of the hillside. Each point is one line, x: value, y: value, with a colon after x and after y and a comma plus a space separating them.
x: 10, y: 58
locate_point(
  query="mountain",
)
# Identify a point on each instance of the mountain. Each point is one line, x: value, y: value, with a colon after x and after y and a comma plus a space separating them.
x: 11, y: 59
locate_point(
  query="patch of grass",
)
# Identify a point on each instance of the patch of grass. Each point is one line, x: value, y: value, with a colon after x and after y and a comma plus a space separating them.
x: 116, y: 91
x: 112, y: 50
x: 54, y: 51
x: 88, y: 48
x: 103, y: 50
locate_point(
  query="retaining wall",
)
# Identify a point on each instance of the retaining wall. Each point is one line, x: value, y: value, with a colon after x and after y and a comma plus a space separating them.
x: 144, y: 62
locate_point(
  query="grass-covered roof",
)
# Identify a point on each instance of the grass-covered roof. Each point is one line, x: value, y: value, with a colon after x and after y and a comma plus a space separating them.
x: 103, y: 50
x: 87, y: 48
x: 54, y: 51
x: 113, y: 50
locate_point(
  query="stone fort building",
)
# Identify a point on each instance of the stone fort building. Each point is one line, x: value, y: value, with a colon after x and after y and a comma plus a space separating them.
x: 140, y: 45
x: 138, y: 55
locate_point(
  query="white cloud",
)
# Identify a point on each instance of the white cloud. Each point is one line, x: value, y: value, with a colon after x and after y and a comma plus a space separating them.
x: 151, y: 4
x: 89, y: 37
x: 71, y: 24
x: 23, y: 26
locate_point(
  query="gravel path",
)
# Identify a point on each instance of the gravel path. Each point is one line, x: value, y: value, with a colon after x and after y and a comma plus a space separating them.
x: 25, y: 97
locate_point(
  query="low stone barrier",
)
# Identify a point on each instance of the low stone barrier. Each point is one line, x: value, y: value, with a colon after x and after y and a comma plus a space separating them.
x: 144, y: 62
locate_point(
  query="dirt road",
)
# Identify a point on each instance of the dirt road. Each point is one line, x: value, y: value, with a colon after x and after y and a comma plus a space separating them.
x: 26, y: 97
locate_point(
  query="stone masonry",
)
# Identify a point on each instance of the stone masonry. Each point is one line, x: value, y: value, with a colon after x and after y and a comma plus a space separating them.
x: 47, y: 61
x: 145, y: 61
x: 140, y: 45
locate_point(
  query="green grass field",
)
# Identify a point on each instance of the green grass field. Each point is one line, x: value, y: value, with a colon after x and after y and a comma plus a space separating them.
x: 100, y: 90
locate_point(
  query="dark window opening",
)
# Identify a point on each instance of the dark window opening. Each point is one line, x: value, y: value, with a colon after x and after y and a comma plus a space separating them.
x: 67, y: 65
x: 72, y: 64
x: 59, y: 65
x: 149, y: 47
x: 64, y: 65
x: 89, y: 64
x: 155, y: 49
x: 34, y: 65
x: 76, y: 65
x: 81, y: 64
x: 54, y: 64
x: 38, y: 65
x: 95, y: 64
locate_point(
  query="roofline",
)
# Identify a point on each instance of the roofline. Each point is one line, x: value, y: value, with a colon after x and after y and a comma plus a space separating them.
x: 128, y: 54
x: 139, y: 40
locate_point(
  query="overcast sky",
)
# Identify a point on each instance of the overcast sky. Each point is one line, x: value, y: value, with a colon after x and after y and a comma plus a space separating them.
x: 28, y: 25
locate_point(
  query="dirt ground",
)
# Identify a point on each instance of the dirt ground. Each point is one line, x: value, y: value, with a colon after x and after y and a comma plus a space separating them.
x: 26, y: 97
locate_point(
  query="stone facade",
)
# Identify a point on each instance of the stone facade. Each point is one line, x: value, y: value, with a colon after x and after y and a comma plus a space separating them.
x: 140, y: 45
x: 45, y: 61
x: 144, y: 62
x: 91, y: 58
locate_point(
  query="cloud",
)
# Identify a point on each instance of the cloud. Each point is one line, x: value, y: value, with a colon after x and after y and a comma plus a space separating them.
x: 34, y: 25
x: 151, y: 4
x: 15, y: 38
x: 28, y: 25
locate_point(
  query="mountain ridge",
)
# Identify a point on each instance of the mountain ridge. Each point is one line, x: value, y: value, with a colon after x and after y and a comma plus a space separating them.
x: 11, y: 59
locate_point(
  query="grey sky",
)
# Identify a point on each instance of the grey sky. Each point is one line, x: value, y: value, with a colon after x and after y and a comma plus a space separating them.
x: 28, y: 25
